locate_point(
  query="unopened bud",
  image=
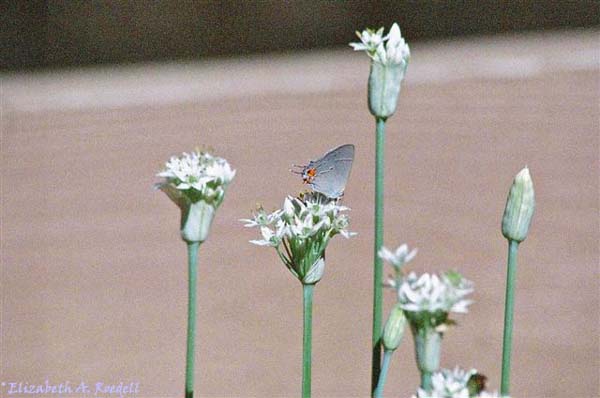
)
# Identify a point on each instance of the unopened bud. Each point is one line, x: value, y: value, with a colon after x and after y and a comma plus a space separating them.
x: 394, y: 329
x: 519, y: 207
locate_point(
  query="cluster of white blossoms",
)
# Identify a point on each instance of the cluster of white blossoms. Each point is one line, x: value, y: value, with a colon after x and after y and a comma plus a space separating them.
x: 301, y: 231
x: 452, y: 384
x: 298, y: 221
x: 399, y: 257
x: 432, y: 293
x: 391, y: 49
x: 196, y: 183
x: 198, y: 175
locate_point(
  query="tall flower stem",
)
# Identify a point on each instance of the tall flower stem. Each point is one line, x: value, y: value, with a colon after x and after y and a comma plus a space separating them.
x: 426, y: 381
x: 377, y: 262
x: 307, y: 340
x: 191, y: 321
x: 509, y: 304
x: 387, y: 356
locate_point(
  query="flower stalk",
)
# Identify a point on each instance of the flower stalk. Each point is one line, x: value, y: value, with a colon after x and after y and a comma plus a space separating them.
x: 516, y: 220
x: 387, y: 356
x: 300, y: 233
x: 191, y: 318
x: 196, y: 183
x: 378, y: 264
x: 389, y: 59
x: 307, y: 340
x: 511, y: 274
x: 391, y: 339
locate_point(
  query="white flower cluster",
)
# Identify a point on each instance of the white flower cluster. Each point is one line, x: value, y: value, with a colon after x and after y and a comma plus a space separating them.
x: 198, y: 174
x: 448, y: 384
x: 452, y: 384
x: 300, y: 233
x: 300, y: 220
x: 399, y: 257
x: 391, y: 49
x: 432, y: 293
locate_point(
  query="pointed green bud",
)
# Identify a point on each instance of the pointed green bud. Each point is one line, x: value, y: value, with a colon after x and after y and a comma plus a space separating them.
x: 519, y: 207
x: 394, y: 328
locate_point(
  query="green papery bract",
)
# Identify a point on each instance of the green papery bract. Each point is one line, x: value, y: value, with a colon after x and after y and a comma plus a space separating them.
x: 428, y: 346
x: 315, y: 272
x: 197, y: 211
x: 384, y: 87
x: 196, y: 219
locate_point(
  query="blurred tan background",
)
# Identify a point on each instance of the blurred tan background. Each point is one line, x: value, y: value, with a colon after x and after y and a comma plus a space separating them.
x: 93, y: 274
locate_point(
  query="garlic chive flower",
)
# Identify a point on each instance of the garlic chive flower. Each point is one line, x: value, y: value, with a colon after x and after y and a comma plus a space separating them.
x: 427, y: 301
x: 399, y: 257
x: 435, y: 294
x: 261, y: 218
x: 300, y: 232
x: 388, y: 50
x: 196, y: 182
x: 452, y: 384
x: 370, y: 41
x: 448, y: 384
x: 389, y: 60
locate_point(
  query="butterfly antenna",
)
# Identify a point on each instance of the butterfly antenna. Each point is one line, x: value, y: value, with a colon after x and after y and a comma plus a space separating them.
x: 297, y: 166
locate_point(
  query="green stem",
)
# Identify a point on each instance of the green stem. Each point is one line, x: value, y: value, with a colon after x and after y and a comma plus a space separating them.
x: 509, y: 304
x: 191, y: 321
x: 387, y: 356
x: 377, y: 269
x: 426, y: 381
x: 307, y: 340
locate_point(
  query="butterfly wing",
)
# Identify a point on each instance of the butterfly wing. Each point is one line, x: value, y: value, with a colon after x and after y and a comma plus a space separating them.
x: 333, y: 170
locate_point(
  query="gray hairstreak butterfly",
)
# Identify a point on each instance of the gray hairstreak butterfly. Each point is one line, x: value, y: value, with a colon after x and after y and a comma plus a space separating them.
x: 328, y: 175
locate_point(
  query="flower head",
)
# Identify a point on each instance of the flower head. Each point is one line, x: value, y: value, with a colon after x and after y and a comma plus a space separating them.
x: 435, y: 295
x: 370, y: 40
x: 300, y: 232
x: 196, y: 182
x: 389, y: 60
x: 454, y: 383
x: 448, y: 384
x: 399, y: 257
x: 391, y: 49
x: 198, y: 176
x: 261, y: 218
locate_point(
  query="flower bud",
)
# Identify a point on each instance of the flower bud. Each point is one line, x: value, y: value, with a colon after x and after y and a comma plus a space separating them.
x: 519, y: 207
x: 394, y: 329
x: 196, y: 183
